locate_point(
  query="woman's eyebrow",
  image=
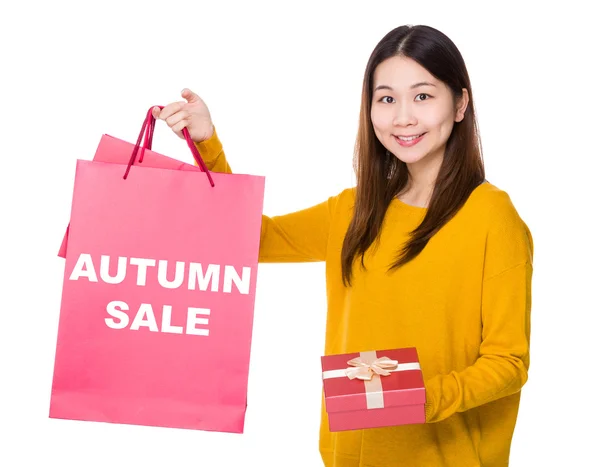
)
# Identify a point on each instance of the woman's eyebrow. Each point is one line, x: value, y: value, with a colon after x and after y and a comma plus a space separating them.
x: 416, y: 85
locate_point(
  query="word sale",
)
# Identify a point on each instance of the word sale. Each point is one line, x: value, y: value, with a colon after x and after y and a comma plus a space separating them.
x: 145, y: 318
x: 191, y: 276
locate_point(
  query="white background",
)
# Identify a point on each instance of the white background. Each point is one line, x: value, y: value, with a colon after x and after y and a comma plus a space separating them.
x: 283, y: 83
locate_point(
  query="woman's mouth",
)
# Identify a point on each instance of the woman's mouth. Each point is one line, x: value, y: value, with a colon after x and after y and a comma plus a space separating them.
x: 408, y: 141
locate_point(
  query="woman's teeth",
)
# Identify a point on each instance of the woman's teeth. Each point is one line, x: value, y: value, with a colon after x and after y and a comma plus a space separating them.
x: 403, y: 138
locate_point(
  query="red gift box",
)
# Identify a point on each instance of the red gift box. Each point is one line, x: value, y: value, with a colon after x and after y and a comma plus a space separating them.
x: 373, y: 389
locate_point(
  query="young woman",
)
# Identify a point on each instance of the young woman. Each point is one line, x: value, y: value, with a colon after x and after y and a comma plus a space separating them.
x: 423, y: 252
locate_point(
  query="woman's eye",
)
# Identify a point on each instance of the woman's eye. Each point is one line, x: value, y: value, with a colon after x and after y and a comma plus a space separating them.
x: 384, y: 99
x: 425, y: 96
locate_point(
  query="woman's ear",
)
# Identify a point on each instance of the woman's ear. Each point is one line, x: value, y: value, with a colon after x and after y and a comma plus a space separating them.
x: 462, y: 104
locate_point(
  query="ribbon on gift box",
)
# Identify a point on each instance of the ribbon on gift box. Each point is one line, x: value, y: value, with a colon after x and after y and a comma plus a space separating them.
x: 369, y: 368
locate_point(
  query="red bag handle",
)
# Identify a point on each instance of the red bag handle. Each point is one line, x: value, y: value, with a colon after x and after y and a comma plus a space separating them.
x: 148, y: 132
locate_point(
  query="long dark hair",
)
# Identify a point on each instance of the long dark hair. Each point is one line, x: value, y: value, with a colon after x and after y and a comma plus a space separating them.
x: 381, y: 176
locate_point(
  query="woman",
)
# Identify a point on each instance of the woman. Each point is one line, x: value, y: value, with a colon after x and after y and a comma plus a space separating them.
x: 423, y: 252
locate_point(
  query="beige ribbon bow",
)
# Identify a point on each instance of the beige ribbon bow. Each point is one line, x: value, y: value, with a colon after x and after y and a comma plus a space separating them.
x: 364, y: 371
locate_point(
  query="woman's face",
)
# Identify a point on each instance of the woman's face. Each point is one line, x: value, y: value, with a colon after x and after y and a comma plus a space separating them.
x: 412, y: 112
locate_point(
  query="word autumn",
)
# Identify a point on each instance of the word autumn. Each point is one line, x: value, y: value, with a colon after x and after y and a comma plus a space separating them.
x: 192, y: 274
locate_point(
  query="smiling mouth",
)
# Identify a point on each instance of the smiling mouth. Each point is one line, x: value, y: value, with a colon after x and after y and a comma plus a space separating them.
x: 408, y: 138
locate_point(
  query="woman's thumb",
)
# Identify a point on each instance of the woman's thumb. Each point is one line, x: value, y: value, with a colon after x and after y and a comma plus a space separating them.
x: 189, y: 95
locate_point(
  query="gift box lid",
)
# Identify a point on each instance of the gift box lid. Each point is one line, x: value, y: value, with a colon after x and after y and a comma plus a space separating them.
x: 403, y: 386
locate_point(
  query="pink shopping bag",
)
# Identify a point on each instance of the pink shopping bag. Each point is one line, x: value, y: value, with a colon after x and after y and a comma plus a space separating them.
x: 115, y: 150
x: 158, y: 297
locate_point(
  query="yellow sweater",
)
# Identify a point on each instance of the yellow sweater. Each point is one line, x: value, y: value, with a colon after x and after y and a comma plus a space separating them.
x: 464, y: 303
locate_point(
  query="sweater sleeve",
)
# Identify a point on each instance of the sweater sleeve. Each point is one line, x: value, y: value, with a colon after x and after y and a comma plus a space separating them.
x: 213, y: 155
x: 300, y: 236
x: 503, y: 363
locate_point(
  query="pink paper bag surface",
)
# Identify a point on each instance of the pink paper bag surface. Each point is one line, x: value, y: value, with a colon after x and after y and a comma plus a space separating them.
x: 118, y: 151
x: 158, y: 298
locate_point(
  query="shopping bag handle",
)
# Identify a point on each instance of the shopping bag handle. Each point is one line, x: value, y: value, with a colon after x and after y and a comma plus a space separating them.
x: 147, y: 132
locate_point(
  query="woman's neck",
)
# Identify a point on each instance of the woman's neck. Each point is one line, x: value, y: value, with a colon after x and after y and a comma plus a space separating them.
x: 421, y: 181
